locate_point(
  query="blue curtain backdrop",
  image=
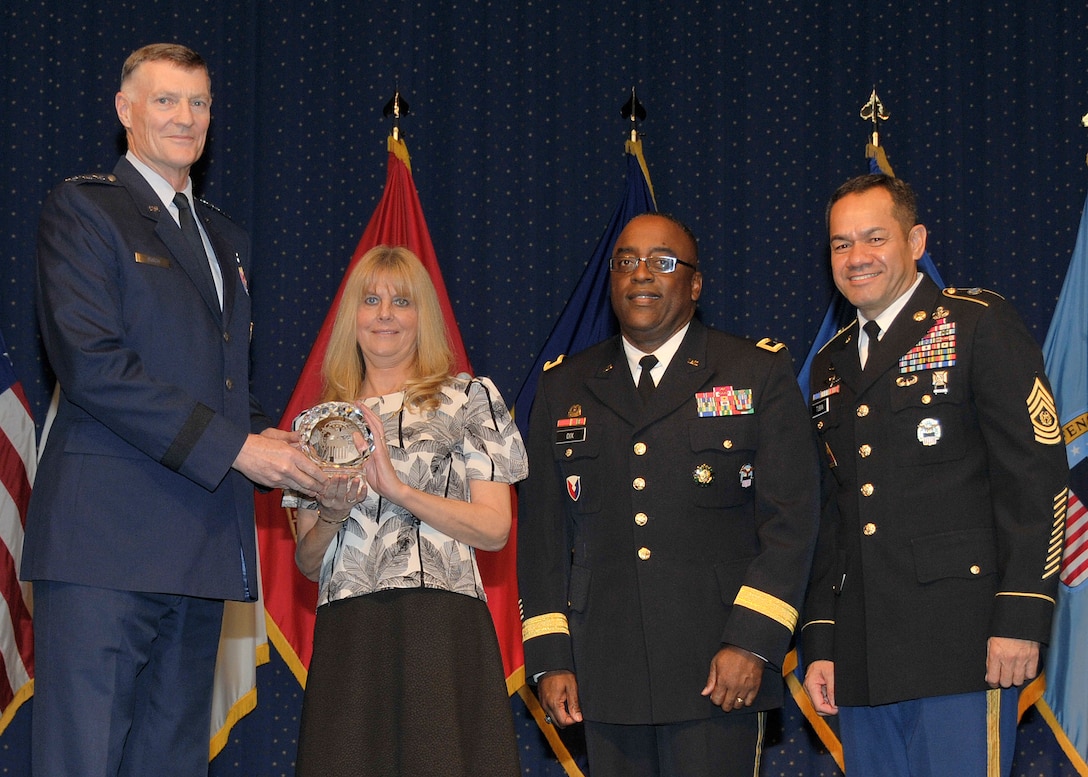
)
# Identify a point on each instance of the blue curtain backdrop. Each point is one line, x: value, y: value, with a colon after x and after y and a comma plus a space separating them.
x: 517, y: 153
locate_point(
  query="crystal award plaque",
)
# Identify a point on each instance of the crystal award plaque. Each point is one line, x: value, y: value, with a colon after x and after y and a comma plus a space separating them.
x: 326, y: 433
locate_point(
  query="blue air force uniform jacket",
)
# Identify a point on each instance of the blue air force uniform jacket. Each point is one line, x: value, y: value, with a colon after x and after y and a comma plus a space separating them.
x: 650, y: 537
x: 135, y: 490
x: 945, y: 479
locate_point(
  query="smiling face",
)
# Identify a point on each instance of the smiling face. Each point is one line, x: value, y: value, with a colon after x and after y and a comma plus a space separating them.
x: 653, y: 307
x: 387, y: 327
x: 873, y: 256
x: 166, y: 111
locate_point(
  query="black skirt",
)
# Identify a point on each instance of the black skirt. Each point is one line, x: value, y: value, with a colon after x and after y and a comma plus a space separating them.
x: 406, y: 683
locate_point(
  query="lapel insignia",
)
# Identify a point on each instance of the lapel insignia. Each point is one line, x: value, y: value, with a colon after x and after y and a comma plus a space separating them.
x: 703, y: 475
x: 723, y: 401
x: 153, y: 208
x: 693, y: 362
x: 769, y: 344
x: 556, y: 363
x: 918, y: 315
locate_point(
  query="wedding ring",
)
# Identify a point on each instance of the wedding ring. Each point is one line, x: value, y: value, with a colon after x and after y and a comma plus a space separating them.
x: 740, y: 700
x: 548, y: 719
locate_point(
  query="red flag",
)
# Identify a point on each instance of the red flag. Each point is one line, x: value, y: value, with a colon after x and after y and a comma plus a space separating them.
x: 18, y: 461
x: 289, y: 598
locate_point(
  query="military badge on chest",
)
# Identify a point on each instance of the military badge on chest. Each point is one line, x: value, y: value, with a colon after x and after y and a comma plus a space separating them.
x: 571, y: 429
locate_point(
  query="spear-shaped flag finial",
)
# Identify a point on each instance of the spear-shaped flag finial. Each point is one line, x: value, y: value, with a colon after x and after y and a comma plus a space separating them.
x: 396, y: 107
x: 874, y: 111
x: 633, y: 110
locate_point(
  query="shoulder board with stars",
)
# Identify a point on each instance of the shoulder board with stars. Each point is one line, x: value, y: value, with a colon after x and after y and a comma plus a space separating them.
x: 770, y: 344
x: 92, y: 178
x: 216, y: 208
x: 974, y: 294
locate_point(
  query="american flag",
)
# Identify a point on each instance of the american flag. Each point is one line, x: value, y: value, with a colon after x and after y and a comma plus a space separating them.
x: 1075, y: 563
x: 18, y: 461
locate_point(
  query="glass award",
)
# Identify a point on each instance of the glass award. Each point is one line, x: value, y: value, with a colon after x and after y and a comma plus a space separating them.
x: 327, y: 436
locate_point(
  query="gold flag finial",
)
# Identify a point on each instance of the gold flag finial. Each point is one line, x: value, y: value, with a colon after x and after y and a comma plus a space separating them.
x: 396, y: 107
x: 633, y: 110
x: 874, y: 111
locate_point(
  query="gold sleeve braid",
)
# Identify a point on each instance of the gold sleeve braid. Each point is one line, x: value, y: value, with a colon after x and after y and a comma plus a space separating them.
x: 541, y: 625
x: 765, y: 604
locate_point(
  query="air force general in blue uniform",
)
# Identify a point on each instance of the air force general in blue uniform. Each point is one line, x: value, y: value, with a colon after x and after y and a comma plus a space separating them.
x: 141, y: 520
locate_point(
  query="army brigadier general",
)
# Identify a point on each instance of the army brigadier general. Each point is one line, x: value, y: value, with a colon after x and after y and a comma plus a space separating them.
x: 666, y: 530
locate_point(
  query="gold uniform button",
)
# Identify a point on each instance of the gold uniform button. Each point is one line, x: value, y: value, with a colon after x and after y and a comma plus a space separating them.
x: 926, y: 399
x: 975, y: 569
x: 820, y: 425
x: 641, y: 519
x: 863, y: 410
x: 868, y: 529
x: 568, y: 452
x: 640, y: 448
x: 867, y: 489
x: 644, y: 553
x: 639, y: 483
x: 230, y: 384
x: 727, y: 444
x: 865, y: 451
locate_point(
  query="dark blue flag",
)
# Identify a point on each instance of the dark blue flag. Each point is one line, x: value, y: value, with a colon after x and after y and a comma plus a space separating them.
x: 587, y: 318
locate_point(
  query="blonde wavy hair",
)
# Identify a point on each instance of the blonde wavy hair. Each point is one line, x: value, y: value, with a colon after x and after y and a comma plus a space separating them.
x: 344, y: 368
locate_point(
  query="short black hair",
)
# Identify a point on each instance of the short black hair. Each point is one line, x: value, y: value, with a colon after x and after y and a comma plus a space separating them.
x: 904, y: 203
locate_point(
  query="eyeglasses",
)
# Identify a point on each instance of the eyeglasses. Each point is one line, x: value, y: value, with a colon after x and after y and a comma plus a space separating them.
x: 655, y: 264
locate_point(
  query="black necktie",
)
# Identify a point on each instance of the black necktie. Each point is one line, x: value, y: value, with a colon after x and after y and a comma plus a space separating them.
x: 192, y: 234
x: 189, y: 227
x: 645, y: 380
x: 872, y: 329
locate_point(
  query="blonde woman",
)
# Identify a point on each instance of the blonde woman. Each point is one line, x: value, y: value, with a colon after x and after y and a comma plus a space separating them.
x: 406, y: 676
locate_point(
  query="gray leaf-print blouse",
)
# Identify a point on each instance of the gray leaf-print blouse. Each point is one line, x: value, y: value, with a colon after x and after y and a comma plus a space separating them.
x: 381, y: 546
